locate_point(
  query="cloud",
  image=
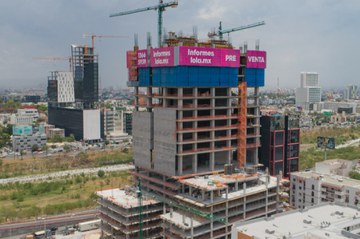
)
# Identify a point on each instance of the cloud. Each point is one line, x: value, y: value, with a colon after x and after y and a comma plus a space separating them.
x: 213, y: 11
x: 299, y: 35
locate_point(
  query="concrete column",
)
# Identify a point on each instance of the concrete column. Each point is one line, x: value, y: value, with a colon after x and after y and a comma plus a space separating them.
x: 180, y: 92
x: 180, y: 165
x: 211, y: 196
x: 212, y: 160
x: 192, y: 227
x: 190, y: 190
x: 203, y: 195
x: 149, y: 94
x: 164, y: 93
x: 244, y: 206
x: 194, y: 163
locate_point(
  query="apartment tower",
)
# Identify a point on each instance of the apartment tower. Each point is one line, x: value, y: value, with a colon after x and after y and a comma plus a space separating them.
x: 197, y: 133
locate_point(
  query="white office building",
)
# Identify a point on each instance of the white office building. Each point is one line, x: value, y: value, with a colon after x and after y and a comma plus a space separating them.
x: 309, y: 92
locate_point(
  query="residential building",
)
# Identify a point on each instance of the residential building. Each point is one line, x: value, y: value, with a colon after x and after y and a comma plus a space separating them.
x: 112, y: 121
x: 280, y: 144
x: 312, y: 188
x: 196, y: 142
x: 24, y: 116
x: 351, y: 92
x: 309, y: 92
x: 26, y: 142
x: 318, y: 222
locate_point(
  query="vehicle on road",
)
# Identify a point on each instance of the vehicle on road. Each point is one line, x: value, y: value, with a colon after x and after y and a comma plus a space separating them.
x: 89, y: 225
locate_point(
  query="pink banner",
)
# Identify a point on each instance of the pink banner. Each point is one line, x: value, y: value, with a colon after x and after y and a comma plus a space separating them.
x: 141, y: 58
x: 256, y: 59
x: 129, y: 57
x: 162, y: 57
x: 201, y: 56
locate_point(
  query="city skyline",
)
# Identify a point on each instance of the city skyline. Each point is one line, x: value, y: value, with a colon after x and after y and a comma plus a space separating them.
x: 298, y: 36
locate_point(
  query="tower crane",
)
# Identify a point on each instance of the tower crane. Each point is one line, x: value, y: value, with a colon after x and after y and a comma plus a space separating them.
x: 100, y: 36
x: 221, y: 32
x: 55, y: 58
x: 160, y: 8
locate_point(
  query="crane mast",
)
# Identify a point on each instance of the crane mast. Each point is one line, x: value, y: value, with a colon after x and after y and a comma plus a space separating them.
x: 221, y: 32
x: 160, y: 8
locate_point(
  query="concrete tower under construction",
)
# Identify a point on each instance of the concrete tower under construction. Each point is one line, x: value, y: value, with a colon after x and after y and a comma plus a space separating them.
x: 196, y: 134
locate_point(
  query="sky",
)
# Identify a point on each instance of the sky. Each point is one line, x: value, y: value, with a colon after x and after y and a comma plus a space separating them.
x: 300, y: 35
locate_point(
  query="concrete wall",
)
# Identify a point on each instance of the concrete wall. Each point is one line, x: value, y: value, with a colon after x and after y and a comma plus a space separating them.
x: 142, y: 138
x: 91, y: 124
x: 165, y: 141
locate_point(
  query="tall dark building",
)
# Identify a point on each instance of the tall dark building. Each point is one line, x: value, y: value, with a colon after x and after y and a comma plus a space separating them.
x: 86, y: 75
x: 280, y: 144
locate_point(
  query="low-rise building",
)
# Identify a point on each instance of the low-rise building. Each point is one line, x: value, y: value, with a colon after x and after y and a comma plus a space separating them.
x: 119, y: 214
x: 312, y: 188
x: 319, y: 222
x: 56, y: 132
x: 26, y: 142
x: 24, y: 116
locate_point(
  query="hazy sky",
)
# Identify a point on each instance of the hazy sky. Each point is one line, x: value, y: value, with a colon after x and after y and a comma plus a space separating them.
x: 299, y: 35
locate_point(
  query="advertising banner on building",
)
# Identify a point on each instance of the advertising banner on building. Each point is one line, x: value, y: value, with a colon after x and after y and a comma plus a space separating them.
x: 189, y: 56
x: 142, y: 58
x: 22, y: 130
x: 201, y: 56
x: 161, y: 57
x: 256, y: 59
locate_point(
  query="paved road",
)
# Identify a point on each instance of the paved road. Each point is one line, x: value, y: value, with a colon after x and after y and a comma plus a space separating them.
x: 38, y: 177
x: 11, y: 229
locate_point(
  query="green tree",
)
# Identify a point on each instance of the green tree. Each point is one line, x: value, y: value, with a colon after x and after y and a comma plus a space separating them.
x: 101, y: 173
x: 67, y: 148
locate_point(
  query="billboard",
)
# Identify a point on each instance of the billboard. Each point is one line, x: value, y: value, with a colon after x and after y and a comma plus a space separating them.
x: 256, y: 59
x: 162, y: 57
x: 189, y: 56
x: 201, y: 56
x: 142, y: 58
x: 22, y: 130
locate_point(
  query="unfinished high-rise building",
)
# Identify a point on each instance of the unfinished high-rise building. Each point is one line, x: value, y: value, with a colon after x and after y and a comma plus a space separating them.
x: 197, y: 133
x: 86, y: 76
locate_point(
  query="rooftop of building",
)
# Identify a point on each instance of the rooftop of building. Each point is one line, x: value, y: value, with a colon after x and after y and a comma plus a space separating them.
x: 183, y: 221
x: 330, y: 179
x: 124, y: 198
x: 321, y: 221
x: 219, y: 181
